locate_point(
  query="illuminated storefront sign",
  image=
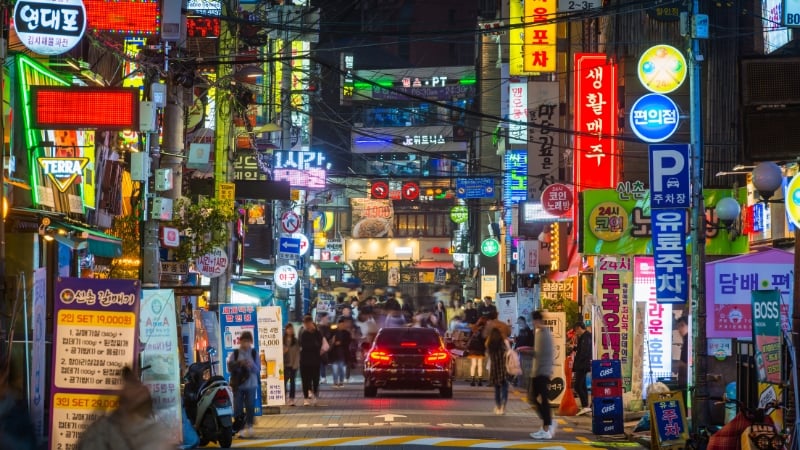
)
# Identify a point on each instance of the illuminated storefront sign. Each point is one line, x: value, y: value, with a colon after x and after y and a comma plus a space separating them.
x: 662, y: 69
x: 669, y: 253
x: 543, y: 140
x: 50, y: 28
x: 516, y: 41
x: 515, y: 176
x: 63, y: 171
x: 202, y: 27
x: 76, y: 107
x: 518, y: 113
x: 307, y: 178
x: 126, y: 17
x: 657, y: 362
x: 300, y: 169
x: 433, y: 139
x: 539, y: 51
x: 654, y: 118
x: 596, y: 158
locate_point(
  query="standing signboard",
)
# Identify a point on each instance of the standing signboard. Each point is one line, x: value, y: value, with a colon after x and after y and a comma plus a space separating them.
x: 38, y: 357
x: 158, y: 334
x: 556, y: 322
x: 668, y: 427
x: 95, y: 337
x: 234, y: 320
x: 270, y: 345
x: 613, y: 331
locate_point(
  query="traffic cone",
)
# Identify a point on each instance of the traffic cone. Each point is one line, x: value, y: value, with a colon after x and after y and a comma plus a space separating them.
x: 568, y: 406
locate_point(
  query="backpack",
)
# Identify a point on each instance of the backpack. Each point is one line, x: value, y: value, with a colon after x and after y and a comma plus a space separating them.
x: 239, y: 374
x: 513, y: 365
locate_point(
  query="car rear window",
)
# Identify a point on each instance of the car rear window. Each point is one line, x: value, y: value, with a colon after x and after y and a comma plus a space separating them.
x: 396, y: 336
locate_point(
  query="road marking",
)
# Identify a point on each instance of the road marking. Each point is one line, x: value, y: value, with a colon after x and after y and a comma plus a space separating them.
x: 389, y: 425
x: 430, y: 441
x: 389, y: 417
x: 583, y: 439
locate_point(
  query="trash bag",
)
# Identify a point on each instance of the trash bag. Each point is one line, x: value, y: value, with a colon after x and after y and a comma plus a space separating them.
x: 644, y: 424
x: 190, y: 437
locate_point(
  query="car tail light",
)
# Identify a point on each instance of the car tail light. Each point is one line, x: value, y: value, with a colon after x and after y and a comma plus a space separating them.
x: 439, y: 356
x: 221, y: 398
x: 379, y: 357
x: 408, y: 344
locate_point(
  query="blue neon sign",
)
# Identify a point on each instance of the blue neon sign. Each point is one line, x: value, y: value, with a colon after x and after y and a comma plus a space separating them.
x: 654, y: 118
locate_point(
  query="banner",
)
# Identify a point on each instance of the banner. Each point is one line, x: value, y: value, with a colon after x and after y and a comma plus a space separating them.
x: 270, y: 344
x: 556, y: 322
x: 95, y: 337
x: 543, y: 141
x: 507, y: 311
x: 729, y: 283
x: 669, y: 250
x: 616, y: 223
x: 657, y: 361
x: 767, y: 335
x: 158, y: 334
x: 372, y: 218
x: 234, y: 320
x: 613, y: 281
x: 38, y: 351
x: 540, y: 34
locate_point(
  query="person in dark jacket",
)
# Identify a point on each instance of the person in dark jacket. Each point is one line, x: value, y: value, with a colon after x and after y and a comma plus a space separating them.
x: 310, y: 360
x: 470, y: 313
x: 476, y: 352
x: 340, y: 351
x: 582, y: 364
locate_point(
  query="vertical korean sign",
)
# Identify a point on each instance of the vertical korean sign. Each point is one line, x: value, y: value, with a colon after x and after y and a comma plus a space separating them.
x: 158, y: 334
x: 767, y: 334
x: 669, y: 253
x: 95, y: 337
x: 540, y: 36
x: 518, y: 113
x: 613, y: 282
x: 657, y: 323
x: 596, y: 159
x: 543, y: 115
x: 270, y: 344
x: 38, y: 357
x: 234, y: 320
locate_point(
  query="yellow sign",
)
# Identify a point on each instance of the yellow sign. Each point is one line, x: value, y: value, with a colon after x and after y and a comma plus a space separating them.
x: 63, y: 171
x: 516, y: 42
x: 792, y: 200
x: 662, y: 69
x: 608, y: 221
x: 227, y: 191
x: 539, y: 51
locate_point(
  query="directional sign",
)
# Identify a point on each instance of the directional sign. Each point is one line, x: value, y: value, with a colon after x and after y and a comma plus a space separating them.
x: 380, y: 190
x: 304, y: 243
x: 289, y: 245
x: 410, y: 190
x: 290, y: 222
x: 669, y: 176
x: 475, y: 187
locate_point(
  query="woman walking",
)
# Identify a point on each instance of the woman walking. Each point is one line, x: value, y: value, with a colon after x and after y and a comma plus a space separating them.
x: 496, y: 347
x: 291, y: 361
x: 476, y: 347
x: 310, y: 360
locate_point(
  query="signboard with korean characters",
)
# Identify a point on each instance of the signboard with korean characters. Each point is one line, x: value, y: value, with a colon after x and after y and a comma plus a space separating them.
x: 729, y: 283
x: 213, y: 263
x: 654, y: 118
x: 669, y: 254
x: 285, y: 277
x: 613, y: 286
x: 616, y: 223
x: 518, y: 113
x: 95, y: 337
x: 669, y: 176
x: 528, y: 257
x: 556, y: 322
x: 233, y: 321
x: 471, y: 188
x: 372, y: 218
x: 557, y: 199
x: 543, y: 137
x: 270, y: 347
x: 50, y: 28
x: 515, y: 176
x: 668, y: 425
x: 304, y: 169
x: 657, y: 318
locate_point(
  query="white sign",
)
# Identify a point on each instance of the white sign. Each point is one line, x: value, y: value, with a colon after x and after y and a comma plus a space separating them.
x: 518, y: 113
x: 290, y: 222
x: 657, y: 360
x: 212, y: 264
x: 506, y: 303
x: 304, y: 243
x: 285, y: 277
x: 543, y: 139
x: 50, y: 28
x: 528, y: 257
x: 791, y: 13
x: 556, y: 322
x: 270, y: 347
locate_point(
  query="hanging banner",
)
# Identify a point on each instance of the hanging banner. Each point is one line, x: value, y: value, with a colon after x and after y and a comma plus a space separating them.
x: 518, y: 113
x: 95, y: 337
x: 38, y: 351
x: 669, y: 254
x: 767, y: 335
x: 270, y: 345
x: 158, y: 335
x: 543, y: 140
x: 613, y: 282
x: 556, y: 322
x: 657, y: 324
x: 540, y: 34
x: 234, y: 320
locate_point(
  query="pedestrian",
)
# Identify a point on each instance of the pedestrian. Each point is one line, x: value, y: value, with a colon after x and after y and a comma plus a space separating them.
x: 440, y: 317
x: 324, y: 327
x: 311, y: 346
x: 470, y: 313
x: 541, y: 372
x: 340, y: 351
x: 132, y: 426
x: 582, y: 365
x: 524, y: 336
x: 244, y: 367
x: 496, y: 346
x: 454, y: 310
x: 291, y: 361
x: 493, y: 322
x: 486, y: 308
x: 476, y: 351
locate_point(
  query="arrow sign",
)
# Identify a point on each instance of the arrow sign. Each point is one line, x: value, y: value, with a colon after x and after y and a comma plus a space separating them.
x: 289, y: 245
x: 389, y: 417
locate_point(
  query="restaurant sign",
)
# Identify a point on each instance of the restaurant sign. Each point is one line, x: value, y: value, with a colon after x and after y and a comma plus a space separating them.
x: 50, y: 28
x: 63, y: 171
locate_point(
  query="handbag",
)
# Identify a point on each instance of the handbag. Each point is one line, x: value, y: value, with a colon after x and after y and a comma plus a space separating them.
x: 325, y: 346
x: 513, y: 365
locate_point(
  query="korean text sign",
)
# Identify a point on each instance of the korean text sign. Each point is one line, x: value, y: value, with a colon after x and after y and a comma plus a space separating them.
x: 518, y: 112
x: 596, y: 158
x: 729, y: 283
x: 543, y: 139
x: 540, y: 36
x: 669, y: 176
x: 613, y: 288
x: 657, y: 323
x: 270, y: 344
x: 668, y: 418
x: 515, y: 176
x: 234, y: 320
x: 95, y: 337
x: 767, y: 335
x: 669, y: 250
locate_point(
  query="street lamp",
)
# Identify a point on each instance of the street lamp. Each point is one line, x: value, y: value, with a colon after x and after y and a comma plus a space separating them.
x: 767, y: 177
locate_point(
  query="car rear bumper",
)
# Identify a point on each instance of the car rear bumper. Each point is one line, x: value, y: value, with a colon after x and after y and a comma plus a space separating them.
x: 408, y: 378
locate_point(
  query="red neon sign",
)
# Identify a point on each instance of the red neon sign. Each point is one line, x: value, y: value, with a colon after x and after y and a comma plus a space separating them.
x: 202, y: 27
x: 123, y: 16
x: 70, y: 108
x: 596, y: 156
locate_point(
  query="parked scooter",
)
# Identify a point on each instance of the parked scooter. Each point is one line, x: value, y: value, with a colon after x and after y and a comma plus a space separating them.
x: 208, y: 401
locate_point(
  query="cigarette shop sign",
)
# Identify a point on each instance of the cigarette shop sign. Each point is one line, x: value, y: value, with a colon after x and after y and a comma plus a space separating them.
x: 63, y: 171
x: 50, y: 27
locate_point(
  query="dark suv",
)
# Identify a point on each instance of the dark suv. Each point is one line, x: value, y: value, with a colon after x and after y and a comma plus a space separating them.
x: 408, y: 358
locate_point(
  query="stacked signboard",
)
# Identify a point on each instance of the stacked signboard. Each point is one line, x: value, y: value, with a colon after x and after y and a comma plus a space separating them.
x: 607, y: 414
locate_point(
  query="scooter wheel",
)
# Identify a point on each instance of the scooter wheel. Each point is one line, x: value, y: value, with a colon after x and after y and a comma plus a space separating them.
x: 225, y: 437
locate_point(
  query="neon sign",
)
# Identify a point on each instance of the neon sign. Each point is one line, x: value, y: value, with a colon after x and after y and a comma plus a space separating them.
x: 63, y: 171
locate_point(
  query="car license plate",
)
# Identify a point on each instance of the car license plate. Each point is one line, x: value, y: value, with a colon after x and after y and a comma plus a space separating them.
x: 224, y: 411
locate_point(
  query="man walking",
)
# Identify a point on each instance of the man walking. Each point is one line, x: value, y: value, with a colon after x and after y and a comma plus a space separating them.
x: 541, y: 372
x: 582, y: 365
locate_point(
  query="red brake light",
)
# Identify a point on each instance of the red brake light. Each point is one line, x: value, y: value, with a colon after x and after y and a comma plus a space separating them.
x: 378, y: 356
x: 221, y: 397
x: 437, y: 357
x: 408, y: 344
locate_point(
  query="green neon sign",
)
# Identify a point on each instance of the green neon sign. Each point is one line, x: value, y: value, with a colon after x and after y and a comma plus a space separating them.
x: 459, y: 214
x: 490, y: 247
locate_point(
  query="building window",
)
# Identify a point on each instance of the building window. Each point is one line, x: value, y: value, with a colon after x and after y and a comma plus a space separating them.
x: 422, y: 224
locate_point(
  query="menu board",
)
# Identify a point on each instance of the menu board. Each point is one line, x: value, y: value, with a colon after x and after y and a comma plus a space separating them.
x: 95, y: 337
x: 270, y: 345
x: 158, y: 333
x: 234, y: 320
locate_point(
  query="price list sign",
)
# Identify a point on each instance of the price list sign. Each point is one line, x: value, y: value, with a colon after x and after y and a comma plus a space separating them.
x: 234, y: 320
x: 270, y: 345
x: 95, y: 338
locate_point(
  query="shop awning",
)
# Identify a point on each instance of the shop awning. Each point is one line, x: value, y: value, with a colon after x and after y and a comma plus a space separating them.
x: 99, y: 243
x: 431, y: 265
x: 259, y: 292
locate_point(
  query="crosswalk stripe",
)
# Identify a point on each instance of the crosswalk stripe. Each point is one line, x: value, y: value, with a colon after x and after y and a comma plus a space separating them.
x: 583, y: 443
